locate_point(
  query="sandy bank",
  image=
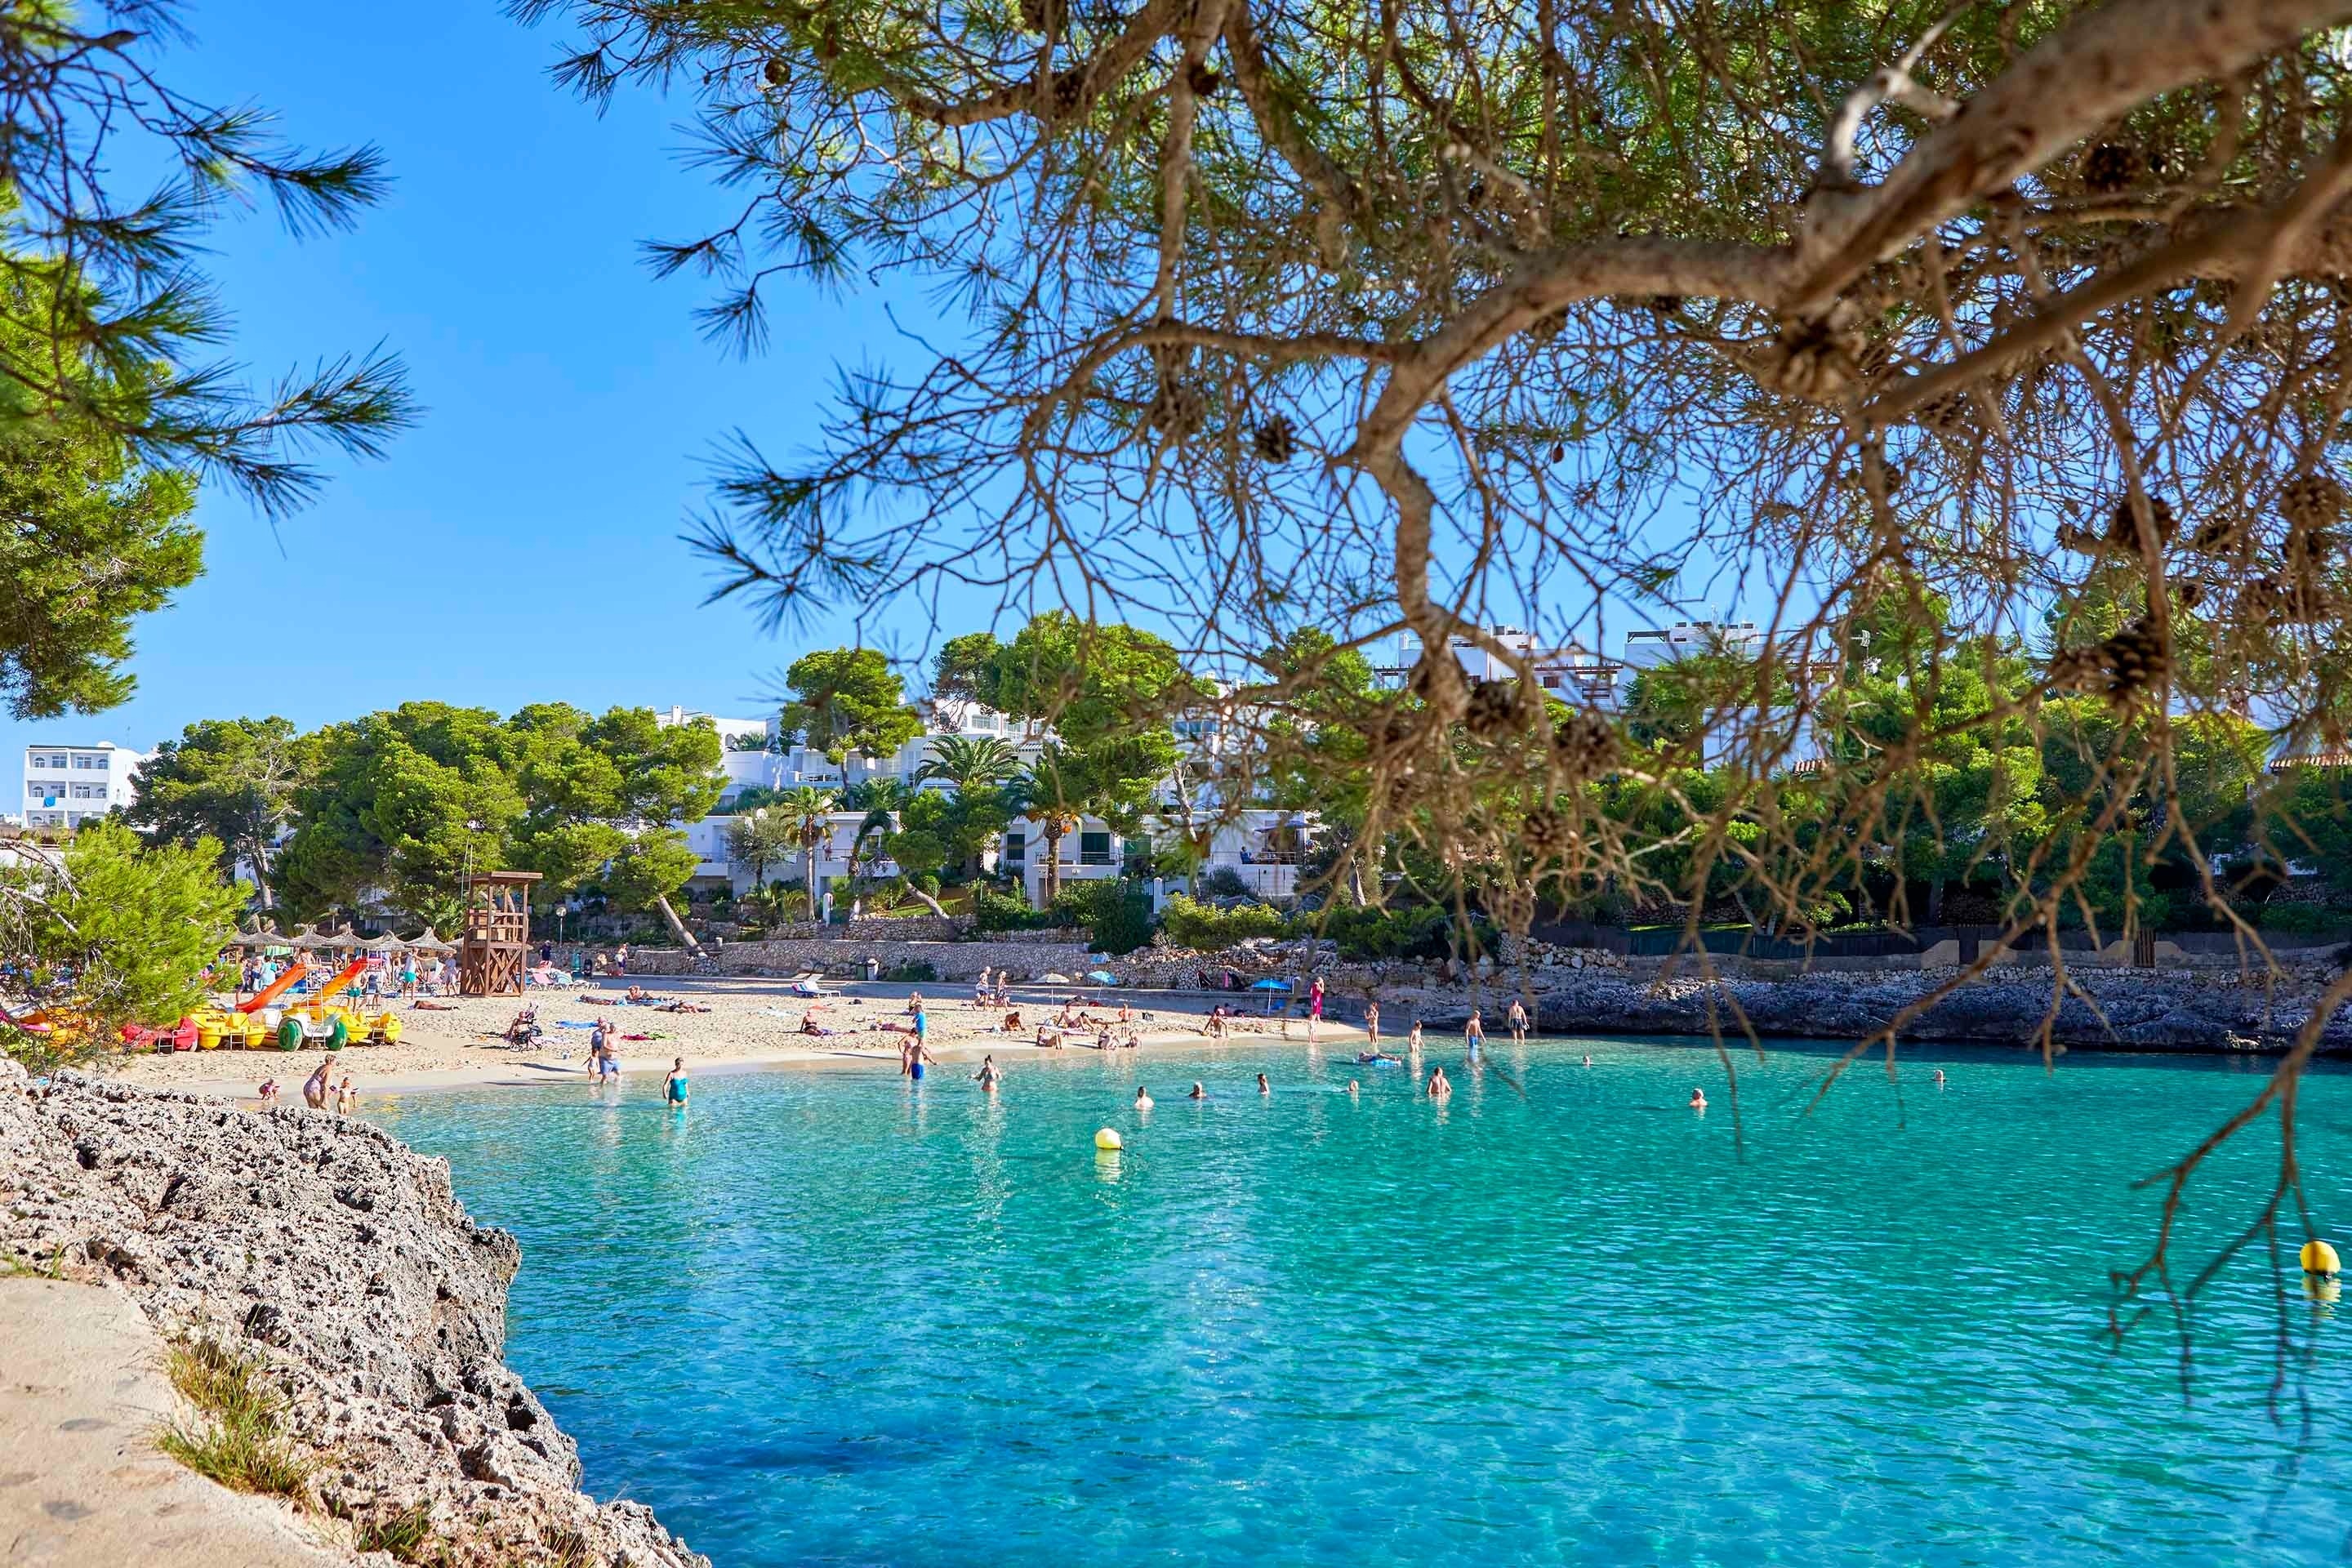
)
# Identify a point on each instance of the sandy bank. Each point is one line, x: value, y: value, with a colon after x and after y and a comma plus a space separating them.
x: 751, y: 1024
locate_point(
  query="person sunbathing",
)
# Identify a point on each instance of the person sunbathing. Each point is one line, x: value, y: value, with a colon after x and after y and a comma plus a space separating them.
x: 637, y: 998
x: 1012, y: 1021
x: 683, y: 1005
x: 809, y: 1025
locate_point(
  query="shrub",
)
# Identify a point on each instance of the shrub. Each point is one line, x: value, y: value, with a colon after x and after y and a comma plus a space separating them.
x: 2302, y: 920
x: 1001, y: 911
x: 1224, y: 882
x: 1116, y: 914
x: 406, y: 1535
x: 1191, y: 923
x: 918, y: 971
x: 1421, y: 931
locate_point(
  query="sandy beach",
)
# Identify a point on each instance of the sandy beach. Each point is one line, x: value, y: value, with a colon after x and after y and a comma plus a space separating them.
x: 752, y: 1023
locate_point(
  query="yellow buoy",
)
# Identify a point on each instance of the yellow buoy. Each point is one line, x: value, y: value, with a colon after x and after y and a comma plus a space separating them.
x: 1109, y: 1139
x: 2318, y: 1258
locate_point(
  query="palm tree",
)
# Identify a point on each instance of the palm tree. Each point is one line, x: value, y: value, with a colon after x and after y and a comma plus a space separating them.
x: 1052, y: 793
x: 809, y: 810
x: 971, y: 762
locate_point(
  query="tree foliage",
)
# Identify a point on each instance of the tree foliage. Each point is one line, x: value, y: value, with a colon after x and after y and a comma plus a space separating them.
x: 125, y: 929
x: 847, y: 699
x: 231, y: 782
x: 89, y: 540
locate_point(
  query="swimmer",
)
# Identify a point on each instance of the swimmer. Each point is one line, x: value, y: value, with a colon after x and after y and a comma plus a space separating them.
x: 1263, y: 1087
x: 674, y: 1087
x: 1698, y: 1099
x: 1517, y: 1019
x: 1351, y: 1088
x: 1439, y: 1087
x: 1198, y: 1093
x: 1588, y: 1059
x: 1474, y: 1035
x: 987, y: 1077
x: 1142, y: 1098
x: 1939, y: 1078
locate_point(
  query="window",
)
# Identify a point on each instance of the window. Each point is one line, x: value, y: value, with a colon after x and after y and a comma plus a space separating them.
x: 1093, y: 848
x: 45, y: 760
x: 1016, y: 848
x: 89, y: 791
x: 89, y: 761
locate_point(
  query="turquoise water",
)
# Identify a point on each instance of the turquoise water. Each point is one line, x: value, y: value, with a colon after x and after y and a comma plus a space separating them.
x: 827, y: 1318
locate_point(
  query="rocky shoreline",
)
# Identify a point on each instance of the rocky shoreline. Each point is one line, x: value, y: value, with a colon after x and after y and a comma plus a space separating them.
x: 342, y: 1261
x: 2130, y: 1010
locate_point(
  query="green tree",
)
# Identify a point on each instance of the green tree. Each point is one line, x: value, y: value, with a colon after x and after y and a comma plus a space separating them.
x: 965, y: 667
x: 231, y: 782
x: 1091, y: 682
x: 847, y: 699
x: 970, y: 761
x: 133, y: 925
x: 405, y: 801
x: 93, y: 540
x: 808, y: 817
x: 758, y: 838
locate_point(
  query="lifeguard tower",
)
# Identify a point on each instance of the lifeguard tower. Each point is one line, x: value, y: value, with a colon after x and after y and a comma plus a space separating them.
x: 495, y: 944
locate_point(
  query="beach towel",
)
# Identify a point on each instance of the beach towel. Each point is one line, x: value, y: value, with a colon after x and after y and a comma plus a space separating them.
x: 575, y: 1023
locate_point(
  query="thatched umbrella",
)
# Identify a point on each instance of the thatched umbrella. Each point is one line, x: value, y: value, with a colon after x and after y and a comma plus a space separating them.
x: 346, y: 939
x: 429, y: 942
x: 307, y: 940
x: 387, y: 943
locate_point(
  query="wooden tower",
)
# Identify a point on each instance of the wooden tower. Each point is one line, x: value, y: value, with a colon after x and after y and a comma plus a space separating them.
x: 495, y: 945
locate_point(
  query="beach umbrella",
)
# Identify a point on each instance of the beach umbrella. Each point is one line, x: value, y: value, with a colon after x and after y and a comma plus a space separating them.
x: 1270, y: 987
x: 1102, y: 977
x: 1056, y: 980
x: 386, y: 943
x: 429, y: 942
x: 345, y: 940
x: 307, y: 940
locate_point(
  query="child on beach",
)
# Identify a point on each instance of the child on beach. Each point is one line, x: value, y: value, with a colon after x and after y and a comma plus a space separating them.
x: 347, y: 1099
x: 268, y: 1092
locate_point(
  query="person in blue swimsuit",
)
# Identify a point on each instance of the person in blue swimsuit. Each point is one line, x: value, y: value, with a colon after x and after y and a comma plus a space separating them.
x: 674, y: 1086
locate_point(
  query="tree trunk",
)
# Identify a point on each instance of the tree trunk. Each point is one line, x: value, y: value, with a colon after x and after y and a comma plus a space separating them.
x: 928, y: 902
x: 1051, y: 884
x: 1934, y: 900
x: 260, y: 854
x: 677, y: 926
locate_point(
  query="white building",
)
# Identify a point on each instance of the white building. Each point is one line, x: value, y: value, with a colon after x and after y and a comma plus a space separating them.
x: 66, y: 787
x: 1264, y: 846
x: 713, y: 868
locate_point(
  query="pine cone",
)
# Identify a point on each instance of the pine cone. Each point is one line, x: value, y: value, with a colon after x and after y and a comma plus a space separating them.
x: 1275, y: 440
x: 1811, y: 360
x: 1494, y: 710
x: 1547, y: 834
x: 777, y: 72
x: 2126, y: 670
x: 1204, y: 82
x: 1584, y: 746
x: 2112, y: 168
x: 1559, y: 452
x: 2311, y: 502
x: 2219, y: 536
x: 1665, y: 304
x: 2123, y: 528
x: 1069, y: 87
x: 1042, y: 16
x: 1950, y: 412
x: 1176, y: 408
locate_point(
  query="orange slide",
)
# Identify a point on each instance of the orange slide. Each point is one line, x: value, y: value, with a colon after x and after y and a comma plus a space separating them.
x: 293, y: 972
x: 350, y: 973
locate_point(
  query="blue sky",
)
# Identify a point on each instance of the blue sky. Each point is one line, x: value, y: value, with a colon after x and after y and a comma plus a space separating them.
x: 520, y: 544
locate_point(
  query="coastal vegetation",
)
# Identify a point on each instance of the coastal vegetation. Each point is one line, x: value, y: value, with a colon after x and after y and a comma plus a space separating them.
x: 238, y: 1437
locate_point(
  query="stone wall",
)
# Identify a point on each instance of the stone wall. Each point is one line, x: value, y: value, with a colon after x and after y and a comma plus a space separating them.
x: 845, y: 958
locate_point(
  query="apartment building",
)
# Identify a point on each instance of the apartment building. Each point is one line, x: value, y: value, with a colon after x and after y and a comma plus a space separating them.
x: 68, y: 785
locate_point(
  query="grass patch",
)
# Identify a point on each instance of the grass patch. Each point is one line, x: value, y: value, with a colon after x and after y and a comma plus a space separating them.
x: 239, y: 1439
x: 406, y: 1535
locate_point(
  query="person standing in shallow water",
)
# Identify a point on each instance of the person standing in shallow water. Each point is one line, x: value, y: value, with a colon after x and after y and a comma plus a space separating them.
x: 1517, y: 1018
x: 674, y: 1086
x: 314, y: 1088
x: 1373, y: 1025
x: 1474, y: 1036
